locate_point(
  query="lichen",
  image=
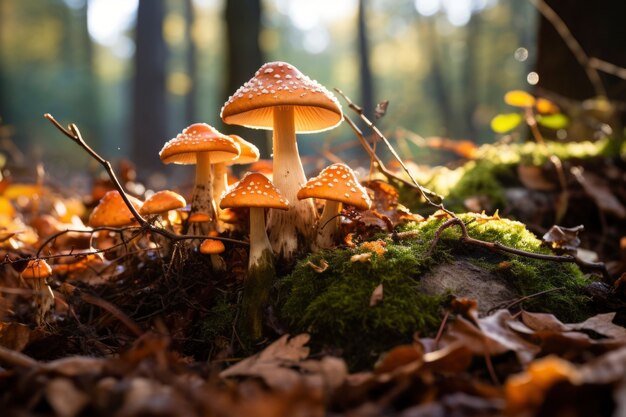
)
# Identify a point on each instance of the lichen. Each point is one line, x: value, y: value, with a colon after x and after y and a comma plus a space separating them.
x: 334, y: 304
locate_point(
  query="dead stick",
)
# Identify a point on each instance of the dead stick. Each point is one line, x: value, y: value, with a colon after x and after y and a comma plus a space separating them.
x: 114, y: 311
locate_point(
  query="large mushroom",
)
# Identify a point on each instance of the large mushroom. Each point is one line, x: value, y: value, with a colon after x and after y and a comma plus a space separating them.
x: 337, y: 184
x: 202, y: 145
x: 281, y: 98
x: 258, y: 193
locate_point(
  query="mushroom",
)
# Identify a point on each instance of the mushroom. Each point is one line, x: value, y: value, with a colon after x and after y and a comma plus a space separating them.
x: 36, y: 273
x: 258, y: 193
x: 202, y: 145
x: 161, y: 202
x: 249, y: 153
x: 336, y: 184
x: 281, y: 98
x: 112, y: 211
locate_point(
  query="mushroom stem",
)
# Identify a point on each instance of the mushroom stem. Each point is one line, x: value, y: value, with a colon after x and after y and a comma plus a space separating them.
x: 220, y: 184
x: 328, y: 225
x: 44, y: 298
x: 261, y: 272
x: 287, y: 228
x: 202, y: 200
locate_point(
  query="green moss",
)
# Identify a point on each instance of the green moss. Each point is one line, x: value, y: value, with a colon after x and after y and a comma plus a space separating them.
x: 219, y: 321
x: 493, y: 169
x: 334, y: 304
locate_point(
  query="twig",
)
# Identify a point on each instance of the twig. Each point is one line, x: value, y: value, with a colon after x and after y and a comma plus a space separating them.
x: 607, y: 67
x: 114, y: 311
x: 522, y: 299
x: 497, y: 246
x: 426, y: 193
x: 573, y: 45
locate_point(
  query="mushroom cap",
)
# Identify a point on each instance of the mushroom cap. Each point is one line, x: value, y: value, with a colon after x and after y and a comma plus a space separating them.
x: 36, y: 268
x: 112, y: 211
x: 199, y: 137
x: 162, y: 201
x: 281, y: 84
x: 249, y: 152
x: 199, y: 218
x: 337, y: 183
x: 212, y: 247
x: 254, y: 190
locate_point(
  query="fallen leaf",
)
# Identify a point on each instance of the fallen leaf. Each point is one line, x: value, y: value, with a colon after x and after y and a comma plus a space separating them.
x: 566, y: 238
x: 14, y: 336
x: 377, y: 295
x: 381, y: 109
x: 526, y: 391
x: 600, y: 193
x: 65, y: 398
x: 323, y: 266
x: 361, y: 257
x: 533, y: 178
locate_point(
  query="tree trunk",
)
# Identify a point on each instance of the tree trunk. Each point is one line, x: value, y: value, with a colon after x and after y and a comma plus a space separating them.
x: 469, y: 77
x: 192, y: 69
x: 149, y: 94
x: 365, y: 72
x: 599, y: 28
x: 244, y: 58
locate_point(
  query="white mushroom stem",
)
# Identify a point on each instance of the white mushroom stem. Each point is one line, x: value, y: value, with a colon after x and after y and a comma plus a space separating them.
x: 287, y: 228
x: 220, y: 182
x: 328, y: 225
x: 43, y: 297
x: 202, y: 200
x: 261, y: 273
x: 259, y: 243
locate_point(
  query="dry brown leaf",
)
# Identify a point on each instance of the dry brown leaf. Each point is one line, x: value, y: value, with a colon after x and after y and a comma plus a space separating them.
x: 319, y: 269
x: 377, y: 295
x: 14, y: 336
x: 533, y: 178
x: 526, y: 391
x: 600, y: 193
x: 65, y: 398
x: 361, y: 257
x: 492, y: 337
x: 566, y: 238
x: 274, y: 365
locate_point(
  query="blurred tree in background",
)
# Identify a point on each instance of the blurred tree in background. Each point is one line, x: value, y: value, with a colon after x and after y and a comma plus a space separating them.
x: 444, y: 65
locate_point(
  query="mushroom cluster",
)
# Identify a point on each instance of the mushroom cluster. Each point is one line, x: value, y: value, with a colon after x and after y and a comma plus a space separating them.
x: 202, y: 145
x: 282, y: 99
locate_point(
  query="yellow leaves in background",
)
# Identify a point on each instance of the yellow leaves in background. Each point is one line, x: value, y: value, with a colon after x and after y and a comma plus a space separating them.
x: 503, y: 123
x: 519, y: 98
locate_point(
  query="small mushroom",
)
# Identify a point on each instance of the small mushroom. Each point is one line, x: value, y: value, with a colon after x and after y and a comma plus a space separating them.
x: 337, y: 184
x: 258, y: 193
x: 281, y: 98
x: 202, y: 145
x: 161, y: 202
x: 36, y: 273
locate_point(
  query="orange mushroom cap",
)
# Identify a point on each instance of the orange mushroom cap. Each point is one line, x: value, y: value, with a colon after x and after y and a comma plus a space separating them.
x: 112, y: 210
x: 281, y: 84
x: 249, y: 152
x: 199, y: 218
x: 36, y: 268
x: 212, y: 247
x: 337, y: 183
x: 199, y: 137
x: 163, y: 201
x: 254, y: 190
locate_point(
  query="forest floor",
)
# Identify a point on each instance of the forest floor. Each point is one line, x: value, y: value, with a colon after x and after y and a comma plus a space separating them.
x: 141, y: 325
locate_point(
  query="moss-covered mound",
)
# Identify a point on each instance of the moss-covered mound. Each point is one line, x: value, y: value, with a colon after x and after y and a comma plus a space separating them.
x: 334, y: 303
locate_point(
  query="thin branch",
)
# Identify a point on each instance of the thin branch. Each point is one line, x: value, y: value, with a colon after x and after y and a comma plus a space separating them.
x: 426, y: 193
x: 114, y: 311
x: 499, y: 247
x: 573, y: 45
x: 607, y: 67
